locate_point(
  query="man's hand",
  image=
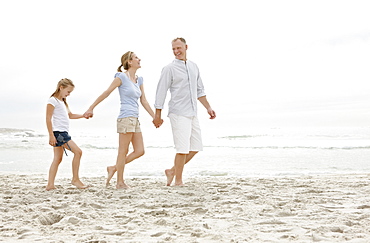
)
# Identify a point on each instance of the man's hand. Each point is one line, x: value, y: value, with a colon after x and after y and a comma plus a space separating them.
x: 212, y: 113
x: 157, y: 122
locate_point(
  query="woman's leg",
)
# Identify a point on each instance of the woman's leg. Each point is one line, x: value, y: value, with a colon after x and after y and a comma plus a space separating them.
x: 77, y: 153
x: 138, y: 146
x: 58, y: 156
x: 124, y: 141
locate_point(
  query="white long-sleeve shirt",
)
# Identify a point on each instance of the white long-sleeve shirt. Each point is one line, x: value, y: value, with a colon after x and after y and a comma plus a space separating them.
x: 185, y: 85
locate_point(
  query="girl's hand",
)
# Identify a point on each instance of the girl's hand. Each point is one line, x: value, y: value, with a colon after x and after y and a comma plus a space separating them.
x: 52, y: 140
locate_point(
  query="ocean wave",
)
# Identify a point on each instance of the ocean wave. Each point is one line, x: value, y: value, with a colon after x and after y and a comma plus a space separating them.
x: 89, y: 146
x: 28, y: 145
x: 292, y: 147
x: 160, y: 147
x: 6, y: 162
x: 212, y: 173
x: 243, y: 136
x: 15, y: 132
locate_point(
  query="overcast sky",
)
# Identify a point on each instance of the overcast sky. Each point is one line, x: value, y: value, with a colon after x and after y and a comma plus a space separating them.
x: 254, y: 56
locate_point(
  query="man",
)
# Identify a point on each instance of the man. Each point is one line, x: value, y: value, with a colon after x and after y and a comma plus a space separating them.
x: 182, y: 78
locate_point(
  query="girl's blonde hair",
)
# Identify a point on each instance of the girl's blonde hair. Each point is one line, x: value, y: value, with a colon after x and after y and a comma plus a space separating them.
x: 124, y: 61
x: 65, y: 82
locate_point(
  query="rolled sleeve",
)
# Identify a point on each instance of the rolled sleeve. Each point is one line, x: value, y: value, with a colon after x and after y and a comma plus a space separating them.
x: 200, y: 87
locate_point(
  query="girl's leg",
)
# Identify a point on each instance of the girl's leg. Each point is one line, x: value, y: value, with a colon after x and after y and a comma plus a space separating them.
x: 58, y: 156
x: 124, y: 141
x: 138, y: 146
x: 77, y: 153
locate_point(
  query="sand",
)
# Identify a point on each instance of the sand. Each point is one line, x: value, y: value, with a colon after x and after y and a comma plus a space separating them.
x: 325, y: 208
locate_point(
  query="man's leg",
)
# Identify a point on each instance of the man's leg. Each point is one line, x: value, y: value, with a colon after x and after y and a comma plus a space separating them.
x: 170, y: 173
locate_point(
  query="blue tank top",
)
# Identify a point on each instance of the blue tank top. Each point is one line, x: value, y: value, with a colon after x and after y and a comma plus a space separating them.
x: 129, y: 93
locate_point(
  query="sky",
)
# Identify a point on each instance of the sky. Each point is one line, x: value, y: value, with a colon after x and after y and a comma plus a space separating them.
x: 265, y: 63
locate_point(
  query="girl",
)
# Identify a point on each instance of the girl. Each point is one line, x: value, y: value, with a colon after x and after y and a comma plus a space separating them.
x: 130, y: 89
x: 57, y: 122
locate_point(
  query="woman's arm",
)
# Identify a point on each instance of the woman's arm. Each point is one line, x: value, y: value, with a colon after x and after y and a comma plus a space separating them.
x: 145, y: 103
x: 49, y: 115
x: 116, y: 83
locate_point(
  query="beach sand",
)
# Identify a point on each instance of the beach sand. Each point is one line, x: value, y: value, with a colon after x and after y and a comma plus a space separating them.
x: 325, y: 208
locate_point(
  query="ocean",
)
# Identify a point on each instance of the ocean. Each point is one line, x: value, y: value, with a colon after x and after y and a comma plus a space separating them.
x: 233, y: 152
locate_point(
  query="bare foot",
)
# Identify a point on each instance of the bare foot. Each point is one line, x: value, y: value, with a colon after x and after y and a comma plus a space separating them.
x: 111, y: 170
x: 48, y: 188
x: 122, y: 186
x: 180, y: 184
x: 79, y: 184
x: 170, y: 175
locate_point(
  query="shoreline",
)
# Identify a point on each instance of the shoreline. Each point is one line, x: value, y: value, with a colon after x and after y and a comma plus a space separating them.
x: 327, y: 208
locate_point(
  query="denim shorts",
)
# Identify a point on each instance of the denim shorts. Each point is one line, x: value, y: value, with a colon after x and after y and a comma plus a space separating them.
x: 62, y: 138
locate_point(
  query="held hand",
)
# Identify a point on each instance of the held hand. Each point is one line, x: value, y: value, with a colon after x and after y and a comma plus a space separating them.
x: 157, y: 122
x: 52, y: 141
x: 88, y: 114
x: 212, y: 113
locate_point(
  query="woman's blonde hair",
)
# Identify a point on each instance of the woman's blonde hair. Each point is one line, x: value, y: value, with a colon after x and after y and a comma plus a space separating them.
x: 65, y: 82
x: 124, y: 61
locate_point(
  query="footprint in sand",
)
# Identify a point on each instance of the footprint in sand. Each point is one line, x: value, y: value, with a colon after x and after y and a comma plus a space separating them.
x: 161, y: 222
x: 158, y: 234
x: 96, y: 205
x: 200, y: 210
x: 50, y: 218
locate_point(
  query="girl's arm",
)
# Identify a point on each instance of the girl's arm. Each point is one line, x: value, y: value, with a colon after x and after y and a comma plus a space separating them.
x: 145, y: 103
x: 116, y: 83
x: 74, y: 116
x: 49, y: 115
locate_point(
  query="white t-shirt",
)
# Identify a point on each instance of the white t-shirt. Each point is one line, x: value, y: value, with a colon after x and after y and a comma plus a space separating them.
x: 60, y: 120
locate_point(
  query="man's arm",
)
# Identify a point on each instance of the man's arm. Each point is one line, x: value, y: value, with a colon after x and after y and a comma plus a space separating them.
x: 160, y: 96
x: 157, y: 118
x: 205, y: 103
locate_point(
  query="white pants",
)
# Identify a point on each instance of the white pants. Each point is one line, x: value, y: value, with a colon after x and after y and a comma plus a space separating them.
x: 186, y: 133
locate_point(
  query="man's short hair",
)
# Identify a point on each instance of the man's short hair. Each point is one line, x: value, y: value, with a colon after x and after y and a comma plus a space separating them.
x: 181, y: 39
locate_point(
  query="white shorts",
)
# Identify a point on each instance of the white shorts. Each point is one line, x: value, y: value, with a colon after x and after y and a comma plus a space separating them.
x: 186, y: 133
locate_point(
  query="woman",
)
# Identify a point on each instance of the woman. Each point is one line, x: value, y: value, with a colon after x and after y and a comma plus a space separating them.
x: 130, y: 89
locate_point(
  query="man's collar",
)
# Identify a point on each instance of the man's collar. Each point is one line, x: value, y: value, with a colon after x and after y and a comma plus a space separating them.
x: 180, y: 61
